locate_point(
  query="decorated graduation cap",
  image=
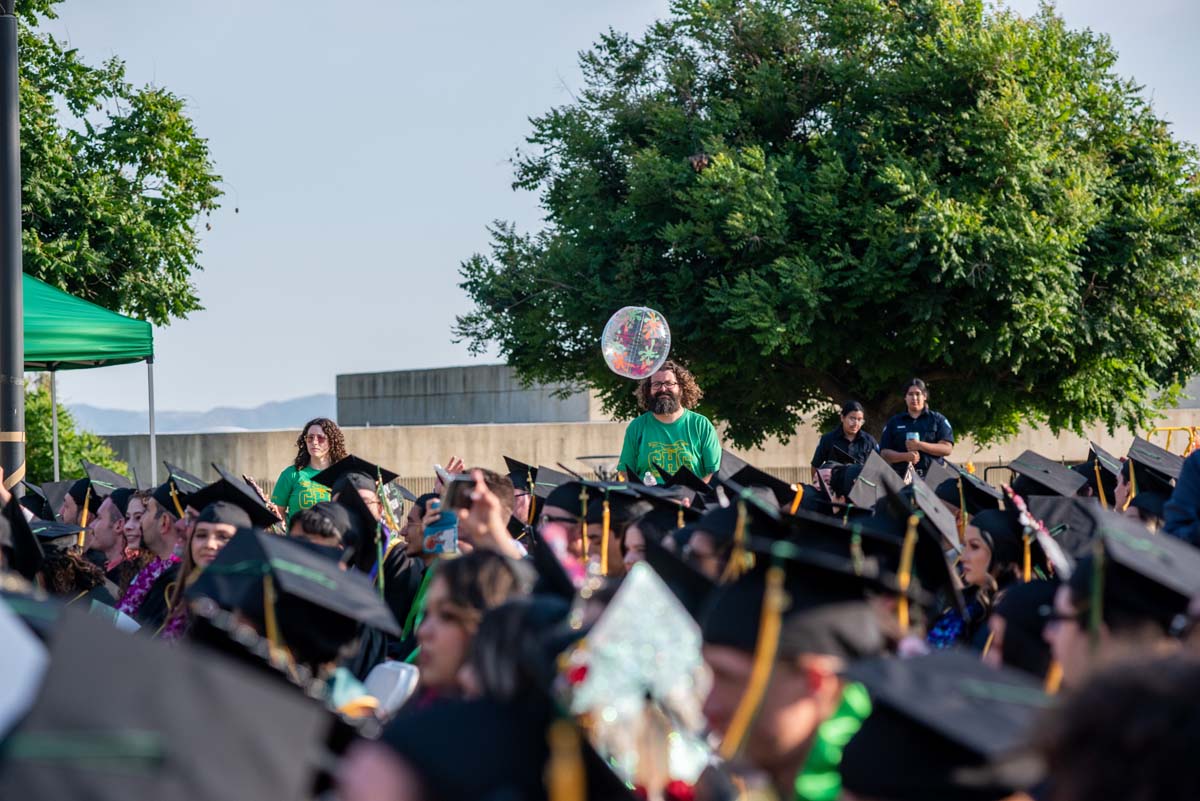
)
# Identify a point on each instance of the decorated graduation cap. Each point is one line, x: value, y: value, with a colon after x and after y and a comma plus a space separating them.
x: 1133, y: 575
x: 151, y: 734
x: 1037, y: 475
x: 232, y: 489
x: 298, y: 597
x: 942, y: 726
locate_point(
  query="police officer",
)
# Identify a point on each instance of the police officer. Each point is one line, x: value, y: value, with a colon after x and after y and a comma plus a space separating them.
x: 916, y: 436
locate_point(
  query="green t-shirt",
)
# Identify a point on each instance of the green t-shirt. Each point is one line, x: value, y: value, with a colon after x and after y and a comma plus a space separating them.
x: 690, y: 441
x: 820, y: 779
x: 296, y: 490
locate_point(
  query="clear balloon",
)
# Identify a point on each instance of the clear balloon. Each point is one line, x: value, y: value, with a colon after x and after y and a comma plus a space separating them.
x: 636, y: 342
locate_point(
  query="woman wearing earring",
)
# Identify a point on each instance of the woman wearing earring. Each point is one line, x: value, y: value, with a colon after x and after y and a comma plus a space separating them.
x: 319, y: 445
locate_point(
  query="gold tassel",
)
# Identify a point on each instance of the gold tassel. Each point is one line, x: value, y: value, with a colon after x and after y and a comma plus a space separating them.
x: 1096, y: 612
x: 987, y: 646
x: 907, y: 553
x: 565, y: 778
x: 679, y: 521
x: 1132, y: 487
x: 605, y: 519
x: 798, y: 498
x: 175, y: 498
x: 583, y: 499
x: 83, y: 517
x: 737, y: 555
x: 1028, y: 559
x: 1053, y: 678
x: 1100, y: 485
x: 532, y: 498
x: 962, y: 513
x: 270, y: 623
x: 769, y: 626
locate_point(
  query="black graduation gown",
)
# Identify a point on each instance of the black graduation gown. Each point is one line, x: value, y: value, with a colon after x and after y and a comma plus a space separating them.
x: 153, y: 611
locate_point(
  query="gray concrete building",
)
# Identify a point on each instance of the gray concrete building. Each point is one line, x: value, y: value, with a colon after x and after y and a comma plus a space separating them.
x: 458, y: 395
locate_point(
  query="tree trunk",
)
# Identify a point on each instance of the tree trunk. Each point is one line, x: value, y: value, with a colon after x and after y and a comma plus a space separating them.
x: 877, y: 411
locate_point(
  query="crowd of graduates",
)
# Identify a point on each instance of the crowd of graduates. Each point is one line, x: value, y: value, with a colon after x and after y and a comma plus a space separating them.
x: 530, y: 633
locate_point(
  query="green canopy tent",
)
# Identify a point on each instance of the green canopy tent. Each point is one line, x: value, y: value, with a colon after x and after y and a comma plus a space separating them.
x: 63, y: 332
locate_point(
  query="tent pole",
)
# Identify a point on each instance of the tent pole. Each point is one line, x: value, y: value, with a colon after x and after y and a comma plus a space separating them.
x: 54, y: 416
x: 153, y: 444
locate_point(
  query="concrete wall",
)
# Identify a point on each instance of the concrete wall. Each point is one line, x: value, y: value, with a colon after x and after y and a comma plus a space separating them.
x: 412, y: 450
x: 459, y: 395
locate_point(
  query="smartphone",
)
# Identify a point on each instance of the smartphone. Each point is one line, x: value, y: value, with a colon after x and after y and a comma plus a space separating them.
x: 913, y: 435
x: 441, y: 536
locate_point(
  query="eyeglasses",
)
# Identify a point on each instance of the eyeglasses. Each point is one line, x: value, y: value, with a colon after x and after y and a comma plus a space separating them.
x: 316, y: 438
x: 663, y: 384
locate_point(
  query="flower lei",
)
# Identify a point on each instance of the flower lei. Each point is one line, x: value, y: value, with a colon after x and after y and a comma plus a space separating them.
x: 132, y: 600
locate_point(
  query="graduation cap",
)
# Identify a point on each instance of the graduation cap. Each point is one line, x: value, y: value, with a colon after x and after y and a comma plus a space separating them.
x: 690, y: 586
x: 750, y: 476
x: 234, y: 490
x: 103, y: 481
x: 1101, y: 470
x: 730, y: 464
x: 941, y: 477
x: 684, y: 477
x: 45, y: 500
x: 1038, y: 475
x: 354, y: 466
x: 1142, y: 575
x: 546, y: 479
x: 942, y: 726
x: 1154, y: 469
x: 838, y: 455
x: 318, y: 606
x: 1070, y: 521
x: 978, y: 494
x: 824, y: 605
x: 667, y: 511
x: 22, y: 551
x: 56, y: 535
x: 184, y: 482
x: 152, y: 733
x: 873, y: 482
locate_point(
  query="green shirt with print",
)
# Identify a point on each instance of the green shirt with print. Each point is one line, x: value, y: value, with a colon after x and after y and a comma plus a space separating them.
x: 691, y: 441
x: 296, y: 490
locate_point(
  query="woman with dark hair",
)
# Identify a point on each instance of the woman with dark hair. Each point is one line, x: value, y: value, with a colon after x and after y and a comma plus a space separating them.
x: 918, y: 435
x: 669, y: 435
x: 319, y: 445
x: 848, y: 437
x: 991, y: 561
x: 462, y: 590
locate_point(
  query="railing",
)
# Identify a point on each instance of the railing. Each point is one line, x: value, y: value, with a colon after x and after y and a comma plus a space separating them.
x: 1171, y: 431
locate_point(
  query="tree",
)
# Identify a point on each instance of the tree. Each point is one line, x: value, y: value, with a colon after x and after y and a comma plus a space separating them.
x: 114, y: 180
x: 827, y: 197
x: 73, y: 445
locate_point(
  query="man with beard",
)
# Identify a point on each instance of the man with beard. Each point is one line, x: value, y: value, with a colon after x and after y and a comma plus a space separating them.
x: 670, y: 435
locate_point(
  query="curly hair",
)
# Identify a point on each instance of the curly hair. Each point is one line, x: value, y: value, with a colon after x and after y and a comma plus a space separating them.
x: 337, y: 442
x: 689, y: 391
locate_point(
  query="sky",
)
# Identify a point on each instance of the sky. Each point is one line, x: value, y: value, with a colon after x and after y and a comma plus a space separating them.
x: 367, y: 149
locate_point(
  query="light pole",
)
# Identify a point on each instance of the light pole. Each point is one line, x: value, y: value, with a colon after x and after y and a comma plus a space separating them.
x: 12, y: 313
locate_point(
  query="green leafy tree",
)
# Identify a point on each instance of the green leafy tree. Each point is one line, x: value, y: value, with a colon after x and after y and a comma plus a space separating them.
x: 114, y: 180
x: 826, y: 197
x: 73, y: 444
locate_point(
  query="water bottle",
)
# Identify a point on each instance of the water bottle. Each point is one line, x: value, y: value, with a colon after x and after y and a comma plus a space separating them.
x: 649, y: 480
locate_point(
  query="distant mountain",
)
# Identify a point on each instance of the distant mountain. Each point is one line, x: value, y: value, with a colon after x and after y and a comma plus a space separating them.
x: 277, y: 414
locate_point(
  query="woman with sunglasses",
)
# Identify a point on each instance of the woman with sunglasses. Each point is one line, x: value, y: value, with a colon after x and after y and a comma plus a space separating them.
x: 319, y: 445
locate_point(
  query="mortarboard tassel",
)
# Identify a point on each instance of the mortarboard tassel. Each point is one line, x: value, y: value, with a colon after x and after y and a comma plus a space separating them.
x: 1132, y: 487
x: 270, y: 623
x: 799, y: 496
x: 532, y: 498
x: 583, y: 500
x: 387, y: 507
x: 1053, y: 678
x: 907, y: 552
x: 987, y: 646
x: 605, y: 518
x: 1100, y: 485
x: 565, y: 773
x: 769, y: 627
x: 679, y: 521
x: 175, y: 498
x: 1027, y: 571
x: 379, y: 556
x: 83, y: 516
x: 962, y: 513
x: 1096, y: 612
x: 738, y: 558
